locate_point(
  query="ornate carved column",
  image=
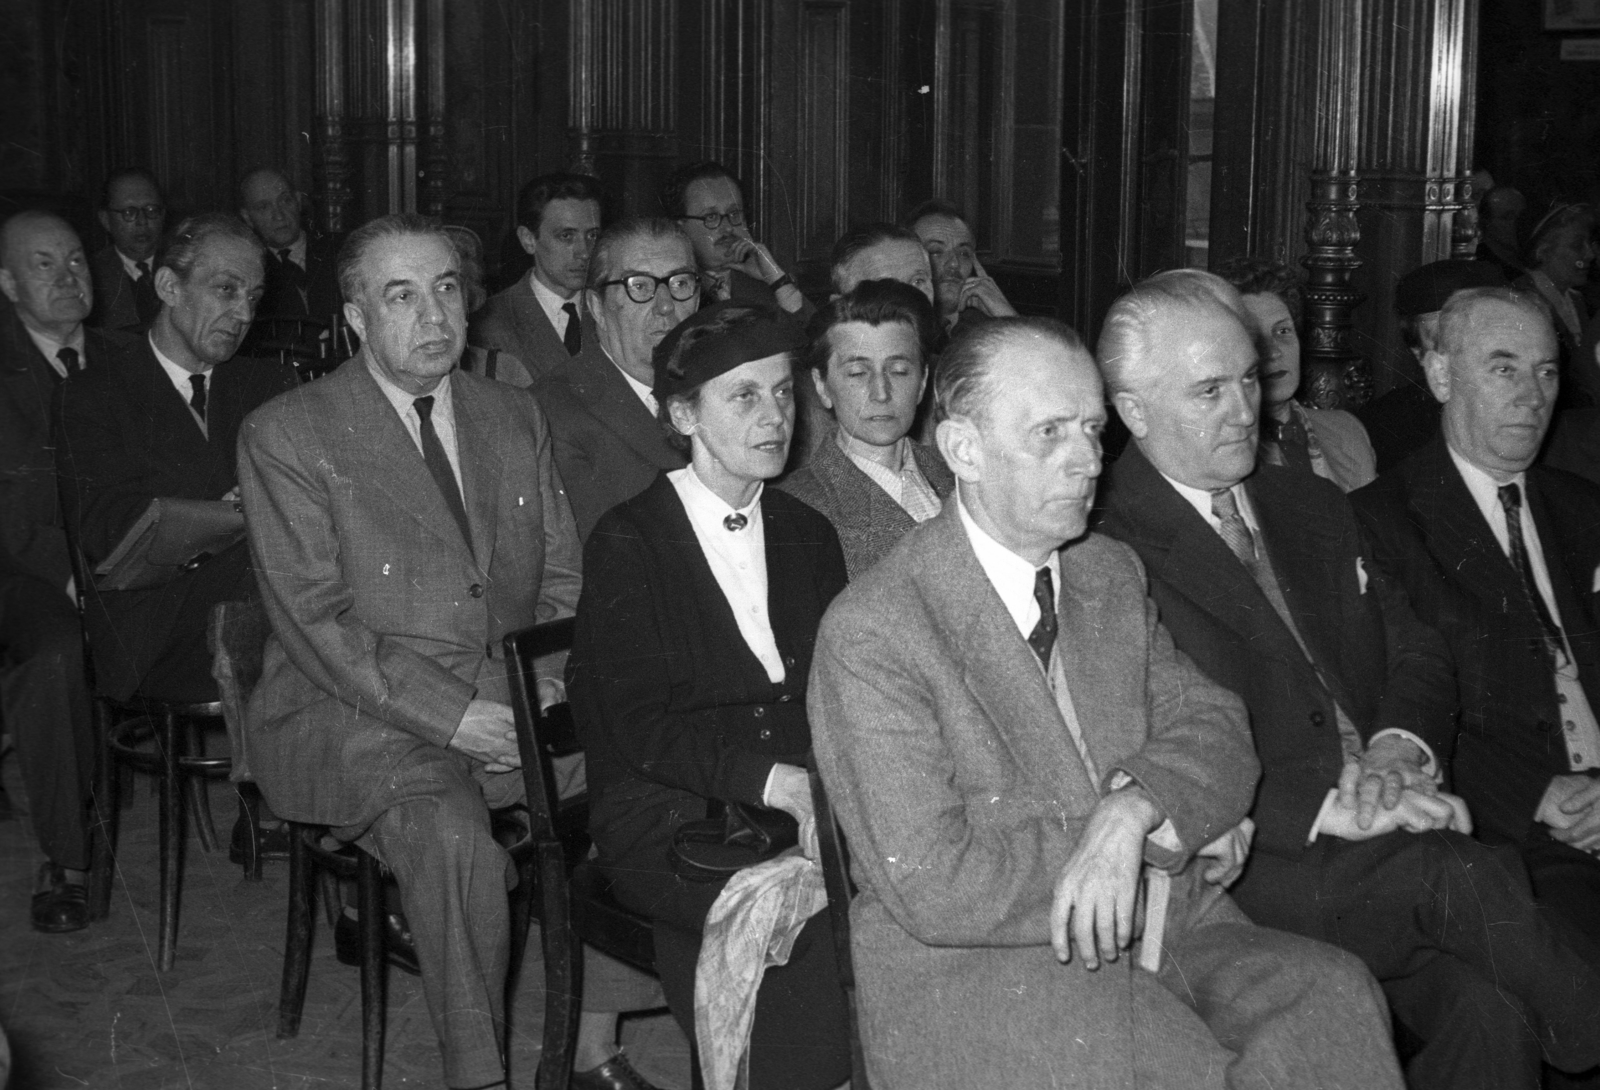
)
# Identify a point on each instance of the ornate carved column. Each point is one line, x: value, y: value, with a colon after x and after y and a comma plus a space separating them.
x: 581, y: 77
x: 1335, y: 374
x: 332, y: 165
x: 436, y: 154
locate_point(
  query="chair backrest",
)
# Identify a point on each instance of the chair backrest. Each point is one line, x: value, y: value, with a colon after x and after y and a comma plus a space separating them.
x: 237, y: 637
x: 835, y: 860
x: 542, y: 735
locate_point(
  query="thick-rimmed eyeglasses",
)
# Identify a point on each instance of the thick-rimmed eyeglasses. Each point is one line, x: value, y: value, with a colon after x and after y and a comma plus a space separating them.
x: 642, y: 287
x: 135, y: 212
x: 713, y: 220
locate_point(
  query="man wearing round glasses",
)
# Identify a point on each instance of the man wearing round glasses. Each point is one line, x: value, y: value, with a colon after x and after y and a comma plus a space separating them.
x: 134, y: 214
x: 608, y: 446
x: 706, y: 200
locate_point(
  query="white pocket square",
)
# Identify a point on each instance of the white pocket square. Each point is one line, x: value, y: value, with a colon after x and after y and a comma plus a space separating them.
x: 1594, y: 587
x: 1361, y: 574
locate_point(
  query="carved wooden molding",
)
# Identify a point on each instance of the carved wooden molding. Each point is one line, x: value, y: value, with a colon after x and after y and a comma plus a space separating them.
x: 436, y: 163
x: 333, y: 158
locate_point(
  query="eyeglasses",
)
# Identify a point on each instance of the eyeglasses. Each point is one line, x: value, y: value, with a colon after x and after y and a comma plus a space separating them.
x: 642, y: 287
x: 134, y: 212
x: 713, y: 220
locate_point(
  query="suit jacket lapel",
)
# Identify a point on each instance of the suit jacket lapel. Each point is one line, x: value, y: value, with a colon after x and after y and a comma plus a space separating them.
x: 1456, y: 531
x: 1004, y: 677
x: 175, y: 432
x: 1305, y: 551
x: 1079, y: 605
x: 863, y: 505
x: 600, y: 385
x: 480, y: 471
x: 533, y: 324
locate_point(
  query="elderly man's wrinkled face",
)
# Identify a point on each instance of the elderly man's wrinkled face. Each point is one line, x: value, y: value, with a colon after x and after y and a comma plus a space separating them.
x: 892, y: 259
x: 211, y: 309
x: 568, y: 228
x: 1568, y: 255
x: 874, y: 380
x: 1280, y: 349
x: 1032, y: 454
x: 44, y: 272
x: 1194, y: 413
x: 134, y: 217
x: 272, y: 208
x: 948, y: 241
x: 630, y: 331
x: 1498, y: 387
x: 410, y: 314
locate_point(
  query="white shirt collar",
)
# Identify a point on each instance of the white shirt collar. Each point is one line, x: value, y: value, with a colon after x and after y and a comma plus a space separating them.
x: 858, y: 451
x: 50, y: 346
x: 176, y: 372
x: 1484, y: 488
x: 297, y: 250
x: 1200, y: 500
x: 401, y: 399
x: 707, y: 508
x: 1012, y: 576
x: 551, y: 302
x: 132, y: 267
x: 643, y: 390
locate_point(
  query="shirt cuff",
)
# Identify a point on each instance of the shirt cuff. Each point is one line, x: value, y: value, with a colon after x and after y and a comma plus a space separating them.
x: 1430, y: 764
x: 1327, y: 804
x: 766, y: 788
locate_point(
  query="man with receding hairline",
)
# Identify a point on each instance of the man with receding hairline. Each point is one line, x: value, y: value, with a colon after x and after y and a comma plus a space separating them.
x: 134, y: 214
x: 1502, y: 556
x: 404, y: 517
x: 44, y: 272
x: 1015, y: 750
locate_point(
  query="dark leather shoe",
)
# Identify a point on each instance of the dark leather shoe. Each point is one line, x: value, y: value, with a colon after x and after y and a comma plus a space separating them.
x: 398, y: 949
x: 615, y: 1074
x: 273, y: 842
x: 59, y: 905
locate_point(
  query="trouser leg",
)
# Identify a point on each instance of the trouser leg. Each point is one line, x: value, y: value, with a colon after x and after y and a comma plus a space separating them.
x: 1294, y: 1012
x: 1475, y: 1036
x: 1566, y: 883
x: 452, y: 875
x: 48, y: 713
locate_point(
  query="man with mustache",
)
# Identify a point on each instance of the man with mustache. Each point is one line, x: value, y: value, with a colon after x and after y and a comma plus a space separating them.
x: 708, y: 201
x: 44, y: 272
x: 1259, y: 575
x: 1502, y: 556
x: 159, y: 419
x: 404, y: 516
x: 133, y: 213
x: 542, y: 320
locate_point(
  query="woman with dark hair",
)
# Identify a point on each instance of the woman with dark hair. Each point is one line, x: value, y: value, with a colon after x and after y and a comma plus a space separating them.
x: 701, y: 601
x: 868, y: 363
x: 1328, y: 442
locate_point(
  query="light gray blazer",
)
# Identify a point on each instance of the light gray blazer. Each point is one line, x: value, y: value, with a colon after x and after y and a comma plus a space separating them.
x: 962, y: 796
x: 384, y: 623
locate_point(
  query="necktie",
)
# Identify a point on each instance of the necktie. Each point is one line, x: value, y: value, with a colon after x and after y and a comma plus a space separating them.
x: 1043, y: 637
x: 1231, y: 526
x: 68, y: 358
x: 1293, y: 443
x: 1511, y: 503
x: 574, y: 335
x: 438, y: 464
x: 145, y: 302
x: 197, y: 400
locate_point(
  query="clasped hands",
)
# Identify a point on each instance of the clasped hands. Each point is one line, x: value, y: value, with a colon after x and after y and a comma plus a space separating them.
x: 1570, y: 809
x: 1385, y: 790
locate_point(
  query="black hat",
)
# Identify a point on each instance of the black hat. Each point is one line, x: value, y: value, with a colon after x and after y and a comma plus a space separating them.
x: 1427, y: 289
x: 721, y: 337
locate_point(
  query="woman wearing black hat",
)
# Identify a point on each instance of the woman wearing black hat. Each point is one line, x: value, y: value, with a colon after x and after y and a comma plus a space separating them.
x: 701, y: 601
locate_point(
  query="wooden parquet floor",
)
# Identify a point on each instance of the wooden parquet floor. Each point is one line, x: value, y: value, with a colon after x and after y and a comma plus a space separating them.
x: 89, y: 1009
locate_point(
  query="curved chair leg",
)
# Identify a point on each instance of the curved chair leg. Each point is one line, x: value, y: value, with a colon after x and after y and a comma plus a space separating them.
x: 297, y: 936
x: 171, y: 837
x: 198, y: 790
x: 106, y: 806
x: 521, y: 920
x: 374, y: 971
x: 563, y: 973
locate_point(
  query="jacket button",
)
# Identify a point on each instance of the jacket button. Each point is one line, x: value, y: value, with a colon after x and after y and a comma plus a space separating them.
x: 476, y: 590
x: 785, y: 698
x: 1317, y: 719
x: 766, y: 735
x: 789, y: 660
x: 760, y: 711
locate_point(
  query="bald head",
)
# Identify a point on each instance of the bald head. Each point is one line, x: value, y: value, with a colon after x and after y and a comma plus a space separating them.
x: 270, y: 205
x: 43, y: 272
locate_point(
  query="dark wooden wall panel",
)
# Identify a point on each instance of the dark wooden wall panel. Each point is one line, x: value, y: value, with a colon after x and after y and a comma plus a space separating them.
x: 824, y: 97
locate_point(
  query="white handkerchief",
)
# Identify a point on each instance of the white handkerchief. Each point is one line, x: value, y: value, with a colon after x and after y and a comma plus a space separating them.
x: 1361, y: 574
x: 1594, y: 587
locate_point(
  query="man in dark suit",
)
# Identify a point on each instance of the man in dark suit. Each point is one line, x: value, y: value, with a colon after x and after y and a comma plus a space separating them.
x: 1008, y: 758
x: 302, y: 270
x: 1501, y: 556
x: 707, y: 201
x: 543, y: 319
x: 160, y: 420
x: 45, y: 275
x: 134, y: 214
x: 608, y: 444
x: 404, y: 516
x: 1259, y: 576
x: 967, y: 296
x: 873, y: 481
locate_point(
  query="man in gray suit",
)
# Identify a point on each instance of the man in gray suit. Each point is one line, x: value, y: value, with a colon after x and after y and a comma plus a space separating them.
x: 608, y: 443
x: 542, y: 319
x: 403, y: 517
x: 1007, y: 760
